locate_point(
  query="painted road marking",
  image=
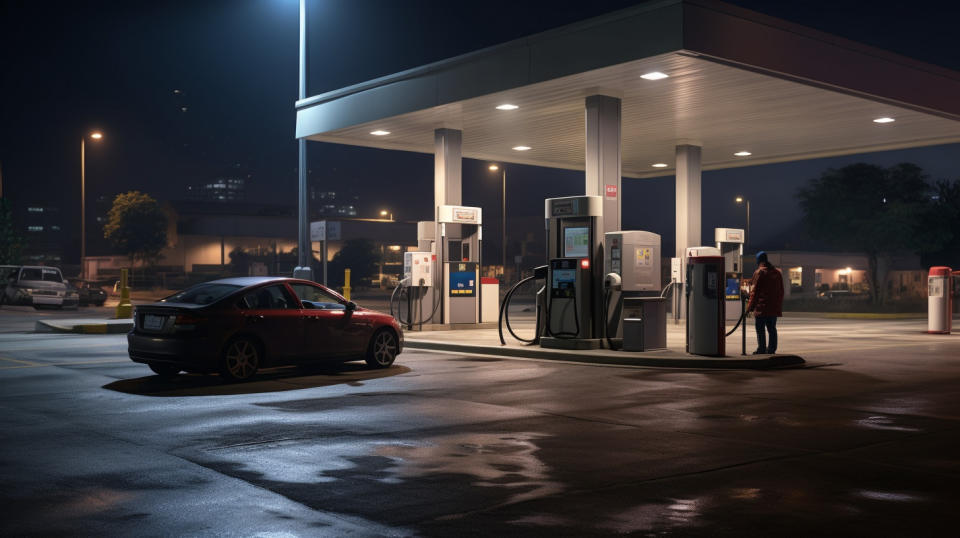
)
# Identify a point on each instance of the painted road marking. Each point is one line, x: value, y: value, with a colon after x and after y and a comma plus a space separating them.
x: 20, y: 362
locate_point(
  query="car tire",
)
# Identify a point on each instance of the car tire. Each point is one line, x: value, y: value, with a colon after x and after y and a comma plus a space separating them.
x: 240, y: 359
x: 383, y: 349
x: 165, y: 371
x: 101, y: 303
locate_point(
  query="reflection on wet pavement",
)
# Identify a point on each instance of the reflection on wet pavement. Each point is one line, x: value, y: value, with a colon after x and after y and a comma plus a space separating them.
x: 655, y: 515
x: 879, y: 422
x: 493, y: 460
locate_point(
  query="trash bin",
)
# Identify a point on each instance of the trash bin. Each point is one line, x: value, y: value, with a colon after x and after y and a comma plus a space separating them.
x: 633, y: 334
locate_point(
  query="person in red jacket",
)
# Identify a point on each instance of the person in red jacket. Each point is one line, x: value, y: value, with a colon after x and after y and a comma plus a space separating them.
x: 766, y: 302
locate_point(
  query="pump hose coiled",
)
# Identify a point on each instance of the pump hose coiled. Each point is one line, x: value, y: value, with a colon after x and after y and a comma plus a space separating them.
x: 505, y: 315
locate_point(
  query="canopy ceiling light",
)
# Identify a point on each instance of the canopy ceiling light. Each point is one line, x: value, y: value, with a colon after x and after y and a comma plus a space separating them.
x: 654, y: 75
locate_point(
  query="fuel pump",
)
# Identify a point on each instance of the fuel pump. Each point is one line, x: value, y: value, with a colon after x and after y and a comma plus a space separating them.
x: 573, y: 290
x: 730, y: 243
x: 461, y: 236
x: 940, y: 300
x: 632, y: 290
x: 417, y: 280
x: 706, y: 333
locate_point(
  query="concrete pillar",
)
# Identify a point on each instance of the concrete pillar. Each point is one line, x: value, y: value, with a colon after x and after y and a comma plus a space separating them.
x: 447, y: 164
x: 447, y: 190
x: 603, y: 157
x: 688, y: 198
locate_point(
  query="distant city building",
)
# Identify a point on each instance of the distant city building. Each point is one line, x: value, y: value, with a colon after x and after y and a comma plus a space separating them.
x: 221, y: 189
x: 41, y: 226
x: 325, y: 203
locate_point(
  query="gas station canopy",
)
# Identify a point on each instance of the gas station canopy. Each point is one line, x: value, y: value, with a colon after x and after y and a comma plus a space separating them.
x: 736, y: 81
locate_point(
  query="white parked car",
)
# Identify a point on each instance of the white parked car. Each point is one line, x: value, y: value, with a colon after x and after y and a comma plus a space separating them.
x: 39, y: 286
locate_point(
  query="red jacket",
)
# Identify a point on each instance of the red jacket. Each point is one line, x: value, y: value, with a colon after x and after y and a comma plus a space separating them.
x: 766, y: 295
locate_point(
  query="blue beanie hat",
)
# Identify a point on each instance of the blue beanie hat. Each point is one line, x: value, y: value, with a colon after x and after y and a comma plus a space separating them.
x: 762, y: 257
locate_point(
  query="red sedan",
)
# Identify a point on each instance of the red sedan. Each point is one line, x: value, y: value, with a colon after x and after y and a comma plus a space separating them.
x: 236, y: 326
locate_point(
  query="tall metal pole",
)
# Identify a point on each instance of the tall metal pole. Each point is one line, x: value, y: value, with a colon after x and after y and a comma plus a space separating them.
x: 304, y: 247
x: 503, y: 222
x: 746, y: 235
x: 83, y: 207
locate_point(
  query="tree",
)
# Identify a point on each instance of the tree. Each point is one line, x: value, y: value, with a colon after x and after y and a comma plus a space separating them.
x: 11, y: 243
x: 137, y: 226
x: 871, y: 209
x: 358, y: 255
x: 944, y: 221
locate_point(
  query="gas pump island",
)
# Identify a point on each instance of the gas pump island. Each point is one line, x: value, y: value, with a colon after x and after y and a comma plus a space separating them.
x: 600, y: 289
x: 454, y: 297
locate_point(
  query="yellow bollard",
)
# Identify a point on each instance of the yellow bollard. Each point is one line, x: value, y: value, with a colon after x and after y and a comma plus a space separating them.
x: 346, y: 283
x: 124, y: 307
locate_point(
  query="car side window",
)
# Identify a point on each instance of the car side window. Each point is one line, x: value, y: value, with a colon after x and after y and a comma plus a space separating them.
x: 275, y: 297
x: 318, y: 296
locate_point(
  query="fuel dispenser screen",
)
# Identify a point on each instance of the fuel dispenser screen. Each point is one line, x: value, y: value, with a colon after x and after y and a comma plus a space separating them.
x: 576, y: 242
x: 563, y: 279
x: 462, y: 283
x: 733, y: 289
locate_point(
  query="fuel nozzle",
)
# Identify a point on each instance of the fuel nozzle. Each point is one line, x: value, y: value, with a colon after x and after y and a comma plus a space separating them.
x: 612, y: 281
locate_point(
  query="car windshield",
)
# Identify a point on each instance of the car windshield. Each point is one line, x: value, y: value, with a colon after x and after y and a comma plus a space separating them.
x: 202, y: 294
x: 31, y: 273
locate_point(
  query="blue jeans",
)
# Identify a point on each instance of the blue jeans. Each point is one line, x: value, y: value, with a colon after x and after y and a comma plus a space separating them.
x: 770, y: 324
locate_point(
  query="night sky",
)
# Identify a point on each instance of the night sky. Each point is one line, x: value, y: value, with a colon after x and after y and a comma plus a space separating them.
x: 117, y: 66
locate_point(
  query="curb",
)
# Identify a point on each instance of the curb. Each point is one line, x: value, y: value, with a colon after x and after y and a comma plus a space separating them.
x: 648, y: 358
x: 117, y: 327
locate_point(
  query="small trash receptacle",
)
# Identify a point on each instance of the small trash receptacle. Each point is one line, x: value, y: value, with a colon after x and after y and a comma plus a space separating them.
x: 633, y: 334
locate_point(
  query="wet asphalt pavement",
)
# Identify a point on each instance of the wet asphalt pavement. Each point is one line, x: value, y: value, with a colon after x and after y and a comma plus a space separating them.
x: 866, y: 444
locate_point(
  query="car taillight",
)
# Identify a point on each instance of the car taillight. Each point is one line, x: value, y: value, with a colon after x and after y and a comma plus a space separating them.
x: 188, y: 322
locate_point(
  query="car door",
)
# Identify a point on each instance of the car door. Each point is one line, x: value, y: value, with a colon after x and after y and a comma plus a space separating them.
x: 272, y: 313
x: 330, y: 329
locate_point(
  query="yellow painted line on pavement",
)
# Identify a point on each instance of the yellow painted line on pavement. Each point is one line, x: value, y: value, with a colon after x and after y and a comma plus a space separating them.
x: 42, y: 365
x: 28, y: 363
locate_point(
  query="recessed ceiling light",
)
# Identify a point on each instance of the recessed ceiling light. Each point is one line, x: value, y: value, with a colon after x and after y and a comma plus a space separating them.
x: 521, y: 148
x: 654, y: 75
x: 507, y: 106
x: 884, y: 120
x: 379, y: 132
x: 743, y: 154
x: 659, y: 165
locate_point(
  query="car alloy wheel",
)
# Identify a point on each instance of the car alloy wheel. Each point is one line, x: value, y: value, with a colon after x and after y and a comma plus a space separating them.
x: 383, y: 349
x: 241, y: 359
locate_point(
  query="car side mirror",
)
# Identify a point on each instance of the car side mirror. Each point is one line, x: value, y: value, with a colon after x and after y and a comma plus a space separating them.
x: 308, y: 305
x: 351, y: 305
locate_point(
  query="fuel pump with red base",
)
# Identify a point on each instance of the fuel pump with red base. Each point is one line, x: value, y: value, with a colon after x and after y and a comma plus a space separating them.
x: 940, y: 300
x: 704, y: 295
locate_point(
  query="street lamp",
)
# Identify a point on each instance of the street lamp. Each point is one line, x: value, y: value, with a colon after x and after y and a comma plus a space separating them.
x: 96, y: 135
x: 384, y: 213
x: 303, y: 269
x: 503, y: 215
x: 746, y: 233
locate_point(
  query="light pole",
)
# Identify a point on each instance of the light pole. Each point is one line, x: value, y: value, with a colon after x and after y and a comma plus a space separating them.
x: 303, y: 269
x: 385, y: 213
x: 96, y: 135
x: 746, y: 233
x: 503, y: 215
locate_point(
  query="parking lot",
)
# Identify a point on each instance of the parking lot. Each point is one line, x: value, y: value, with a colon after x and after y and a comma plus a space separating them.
x: 864, y: 442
